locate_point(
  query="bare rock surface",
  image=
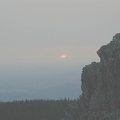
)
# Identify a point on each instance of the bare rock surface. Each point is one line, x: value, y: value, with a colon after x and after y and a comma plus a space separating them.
x: 101, y: 84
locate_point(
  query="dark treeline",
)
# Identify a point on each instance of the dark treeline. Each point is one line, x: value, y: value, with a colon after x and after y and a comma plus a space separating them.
x: 34, y: 109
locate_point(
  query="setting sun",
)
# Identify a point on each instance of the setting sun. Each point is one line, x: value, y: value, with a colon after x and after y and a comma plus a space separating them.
x: 63, y: 56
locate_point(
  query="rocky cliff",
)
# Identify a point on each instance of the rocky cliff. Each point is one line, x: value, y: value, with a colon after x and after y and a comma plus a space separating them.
x: 100, y: 99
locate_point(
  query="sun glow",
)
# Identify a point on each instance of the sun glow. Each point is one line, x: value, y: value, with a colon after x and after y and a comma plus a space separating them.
x: 63, y: 56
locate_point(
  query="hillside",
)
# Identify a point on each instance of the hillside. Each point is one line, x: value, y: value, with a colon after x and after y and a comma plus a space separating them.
x: 33, y: 110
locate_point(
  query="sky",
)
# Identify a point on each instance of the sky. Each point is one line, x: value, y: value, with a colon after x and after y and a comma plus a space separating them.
x: 34, y: 34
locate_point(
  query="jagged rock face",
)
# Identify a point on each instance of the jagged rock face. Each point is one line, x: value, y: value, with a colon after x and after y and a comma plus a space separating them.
x: 111, y: 52
x: 101, y: 81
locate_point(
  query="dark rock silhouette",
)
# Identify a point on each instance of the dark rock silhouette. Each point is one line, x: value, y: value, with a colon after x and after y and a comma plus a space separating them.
x: 101, y: 84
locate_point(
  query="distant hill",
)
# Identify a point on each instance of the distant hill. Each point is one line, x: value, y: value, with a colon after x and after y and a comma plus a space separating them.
x: 65, y: 90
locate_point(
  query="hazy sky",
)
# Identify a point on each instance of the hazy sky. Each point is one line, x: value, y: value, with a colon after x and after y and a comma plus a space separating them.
x: 35, y: 33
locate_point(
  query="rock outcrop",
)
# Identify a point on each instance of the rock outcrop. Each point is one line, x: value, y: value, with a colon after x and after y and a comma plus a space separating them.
x: 101, y: 84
